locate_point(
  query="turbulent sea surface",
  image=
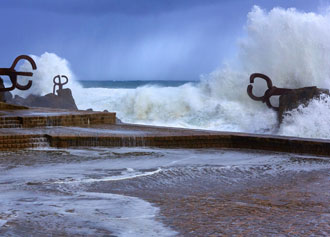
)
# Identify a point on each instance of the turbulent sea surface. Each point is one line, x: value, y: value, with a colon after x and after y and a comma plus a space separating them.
x: 291, y: 47
x: 161, y: 192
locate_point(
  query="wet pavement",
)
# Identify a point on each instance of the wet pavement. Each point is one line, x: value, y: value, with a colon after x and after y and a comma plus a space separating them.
x: 143, y: 191
x: 163, y: 192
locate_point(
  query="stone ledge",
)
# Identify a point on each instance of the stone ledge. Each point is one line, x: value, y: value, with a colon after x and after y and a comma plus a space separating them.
x: 18, y: 142
x: 5, y: 106
x: 69, y: 120
x: 233, y: 141
x: 28, y: 119
x: 84, y: 128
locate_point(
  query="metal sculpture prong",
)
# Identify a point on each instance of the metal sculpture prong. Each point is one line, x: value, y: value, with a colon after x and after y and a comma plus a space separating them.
x: 59, y: 83
x: 271, y: 91
x: 12, y: 73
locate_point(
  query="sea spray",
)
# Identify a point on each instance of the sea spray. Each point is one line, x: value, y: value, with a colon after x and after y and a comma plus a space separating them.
x: 310, y: 120
x: 49, y: 65
x: 290, y: 46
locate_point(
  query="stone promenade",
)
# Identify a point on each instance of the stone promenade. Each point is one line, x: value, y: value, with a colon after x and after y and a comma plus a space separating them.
x: 62, y: 128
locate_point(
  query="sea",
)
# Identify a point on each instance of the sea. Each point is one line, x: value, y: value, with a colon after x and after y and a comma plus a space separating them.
x: 94, y: 191
x: 202, y: 104
x: 289, y: 46
x: 132, y: 84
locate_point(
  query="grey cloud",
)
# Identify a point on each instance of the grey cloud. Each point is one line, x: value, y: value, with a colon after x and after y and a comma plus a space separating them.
x: 91, y: 7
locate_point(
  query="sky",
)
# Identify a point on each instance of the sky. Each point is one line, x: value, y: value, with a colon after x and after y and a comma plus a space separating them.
x: 131, y: 39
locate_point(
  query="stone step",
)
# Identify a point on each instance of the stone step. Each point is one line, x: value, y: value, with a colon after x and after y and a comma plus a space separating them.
x: 82, y: 119
x: 39, y: 142
x: 22, y: 141
x: 13, y: 125
x: 69, y: 120
x: 10, y: 122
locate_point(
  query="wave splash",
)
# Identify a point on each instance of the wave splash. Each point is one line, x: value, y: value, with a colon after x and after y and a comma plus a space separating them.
x: 49, y: 65
x: 291, y: 47
x: 308, y: 121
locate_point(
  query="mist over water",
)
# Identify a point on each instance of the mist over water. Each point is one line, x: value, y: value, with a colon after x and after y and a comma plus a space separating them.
x: 291, y: 47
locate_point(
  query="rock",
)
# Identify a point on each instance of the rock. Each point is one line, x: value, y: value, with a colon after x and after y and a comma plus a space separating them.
x: 4, y: 96
x: 292, y: 99
x: 118, y: 121
x: 64, y: 100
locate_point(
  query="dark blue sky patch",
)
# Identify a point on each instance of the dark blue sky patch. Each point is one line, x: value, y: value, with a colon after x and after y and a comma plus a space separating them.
x: 130, y: 40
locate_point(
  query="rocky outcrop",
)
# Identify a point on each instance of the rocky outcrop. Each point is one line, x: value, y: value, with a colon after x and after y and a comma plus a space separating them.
x: 292, y: 99
x: 4, y: 96
x: 63, y: 100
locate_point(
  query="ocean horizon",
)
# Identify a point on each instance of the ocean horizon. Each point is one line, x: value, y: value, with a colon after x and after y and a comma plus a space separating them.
x: 133, y: 83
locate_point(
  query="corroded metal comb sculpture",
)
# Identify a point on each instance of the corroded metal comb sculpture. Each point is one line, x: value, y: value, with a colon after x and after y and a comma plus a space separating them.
x: 59, y: 82
x: 271, y: 91
x: 12, y: 73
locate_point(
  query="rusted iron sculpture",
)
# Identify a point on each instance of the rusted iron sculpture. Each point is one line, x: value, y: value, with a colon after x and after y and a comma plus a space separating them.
x: 271, y: 91
x: 59, y: 82
x: 12, y: 73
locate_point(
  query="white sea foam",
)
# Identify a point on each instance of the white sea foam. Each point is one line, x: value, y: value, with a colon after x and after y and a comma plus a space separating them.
x: 290, y: 46
x: 311, y: 120
x: 129, y: 173
x: 48, y: 66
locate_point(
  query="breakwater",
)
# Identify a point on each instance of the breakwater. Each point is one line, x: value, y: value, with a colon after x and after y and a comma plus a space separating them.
x: 63, y: 129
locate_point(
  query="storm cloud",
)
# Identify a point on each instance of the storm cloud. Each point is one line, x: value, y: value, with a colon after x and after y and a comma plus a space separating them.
x: 129, y: 40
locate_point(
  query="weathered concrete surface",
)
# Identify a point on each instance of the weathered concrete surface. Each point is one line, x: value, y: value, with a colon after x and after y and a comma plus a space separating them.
x: 14, y: 142
x: 185, y: 138
x: 39, y: 117
x: 199, y: 192
x: 5, y: 106
x: 296, y: 97
x: 132, y: 135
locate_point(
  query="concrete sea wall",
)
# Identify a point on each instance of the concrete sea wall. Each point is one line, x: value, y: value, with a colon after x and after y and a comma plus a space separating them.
x: 63, y: 129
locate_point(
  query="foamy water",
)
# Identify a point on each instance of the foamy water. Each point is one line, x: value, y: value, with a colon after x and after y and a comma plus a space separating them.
x: 291, y: 47
x: 96, y: 191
